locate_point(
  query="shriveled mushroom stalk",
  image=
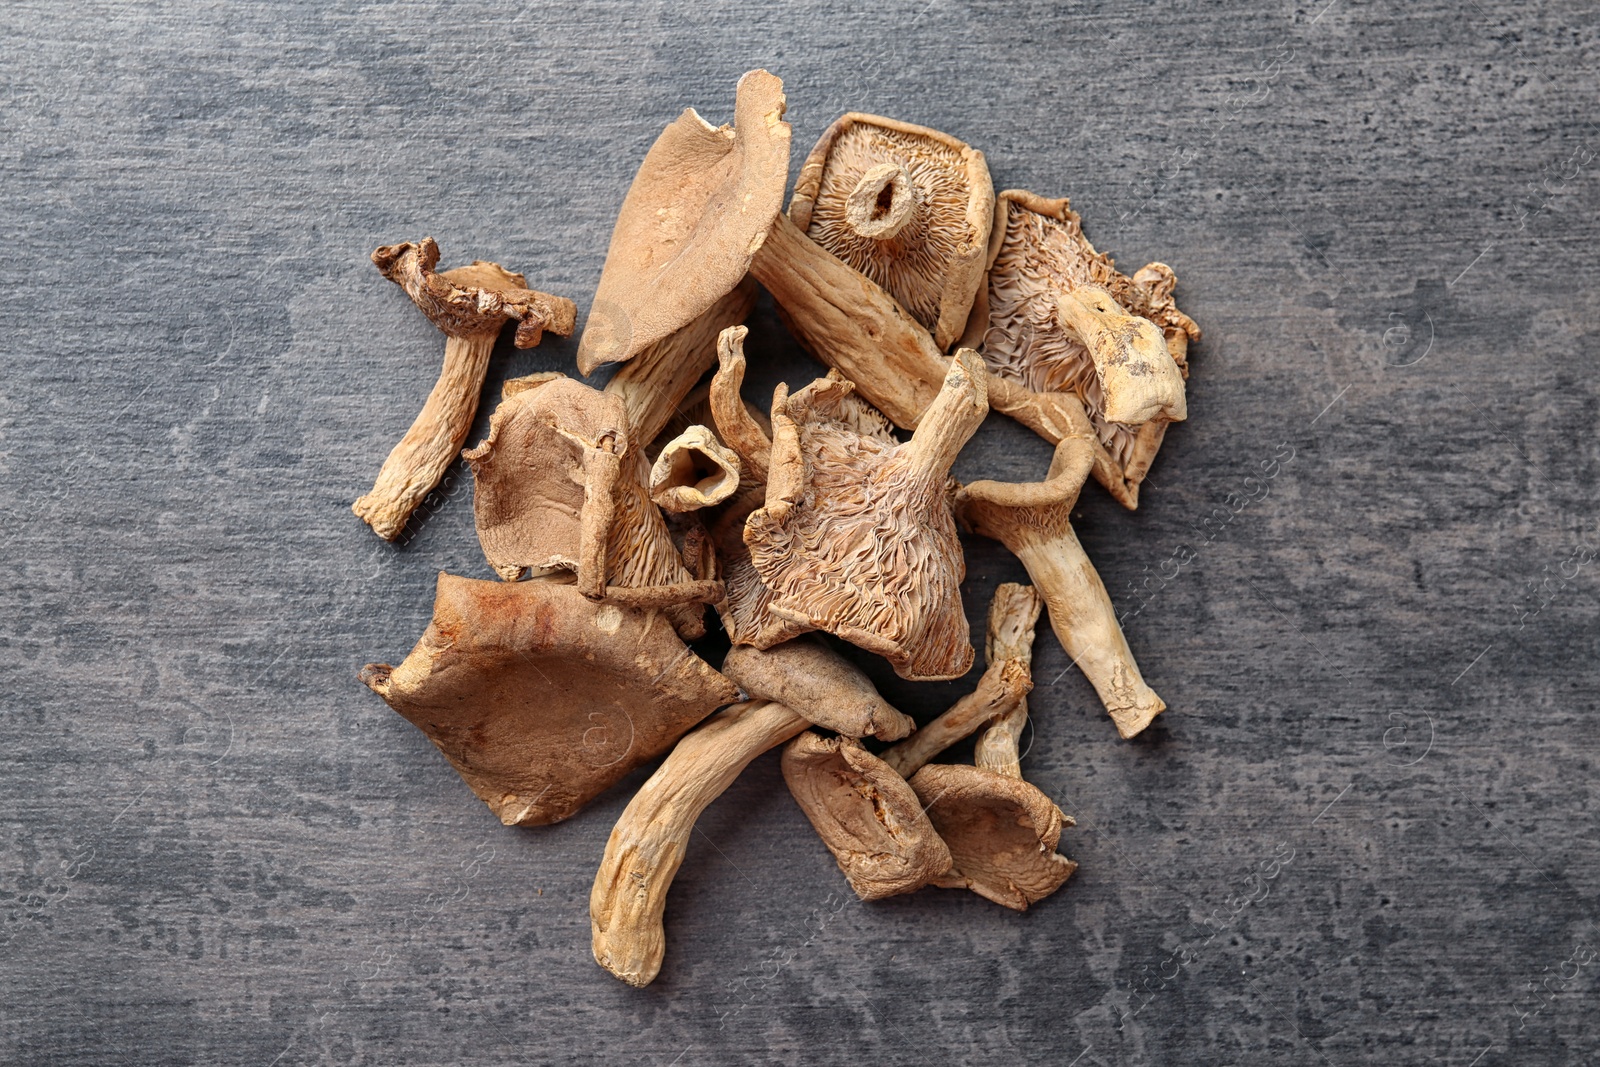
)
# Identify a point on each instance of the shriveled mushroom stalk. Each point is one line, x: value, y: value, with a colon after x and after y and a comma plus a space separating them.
x: 650, y: 839
x: 808, y: 676
x: 1013, y: 615
x: 1033, y: 520
x: 469, y: 305
x: 704, y: 209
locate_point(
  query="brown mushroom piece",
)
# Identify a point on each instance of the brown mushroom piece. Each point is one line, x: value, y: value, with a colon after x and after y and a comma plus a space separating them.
x: 1034, y: 520
x: 1013, y: 614
x: 558, y: 488
x: 808, y: 676
x: 1057, y: 316
x: 856, y: 536
x: 693, y: 471
x: 907, y: 206
x: 469, y: 305
x: 866, y: 814
x: 1002, y: 833
x: 650, y: 839
x: 541, y: 698
x: 703, y: 211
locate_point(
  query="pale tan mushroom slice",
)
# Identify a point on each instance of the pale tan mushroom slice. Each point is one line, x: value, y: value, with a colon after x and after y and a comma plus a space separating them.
x: 1002, y: 833
x: 650, y: 839
x: 1013, y: 614
x: 693, y: 471
x: 558, y: 488
x: 866, y: 814
x: 541, y: 698
x: 1057, y: 316
x: 1034, y: 520
x: 907, y: 206
x: 469, y: 305
x: 655, y: 384
x: 704, y: 209
x: 857, y: 536
x: 808, y: 676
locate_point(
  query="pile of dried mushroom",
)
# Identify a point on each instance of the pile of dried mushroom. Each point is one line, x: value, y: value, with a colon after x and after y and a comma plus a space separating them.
x: 615, y: 516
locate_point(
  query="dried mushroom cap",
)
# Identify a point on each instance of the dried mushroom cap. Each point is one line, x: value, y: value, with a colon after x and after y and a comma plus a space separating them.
x: 1034, y: 520
x: 908, y: 207
x: 698, y: 209
x: 474, y: 300
x: 693, y: 471
x: 1002, y: 833
x: 856, y: 537
x: 558, y: 487
x: 866, y: 814
x: 648, y: 844
x: 1050, y: 294
x: 540, y: 698
x: 808, y: 676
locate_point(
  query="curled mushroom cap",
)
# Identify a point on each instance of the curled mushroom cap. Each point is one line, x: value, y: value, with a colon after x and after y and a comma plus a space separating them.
x: 856, y: 537
x: 808, y: 676
x: 866, y: 814
x: 1002, y: 833
x: 557, y: 487
x: 650, y: 839
x: 908, y: 207
x: 1034, y: 520
x: 693, y: 471
x: 469, y: 305
x: 698, y: 209
x: 541, y: 698
x: 1057, y: 316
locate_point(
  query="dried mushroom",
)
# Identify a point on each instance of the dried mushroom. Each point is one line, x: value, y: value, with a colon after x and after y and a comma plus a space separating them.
x: 650, y: 839
x: 1001, y: 831
x: 557, y: 487
x: 1013, y: 614
x: 808, y: 676
x: 693, y: 471
x: 908, y: 207
x: 866, y: 814
x: 856, y: 536
x: 1034, y: 520
x: 469, y: 305
x: 541, y: 698
x: 1057, y: 316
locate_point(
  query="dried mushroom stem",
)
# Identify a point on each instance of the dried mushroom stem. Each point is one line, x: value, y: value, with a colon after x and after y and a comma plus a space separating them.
x: 650, y: 839
x: 734, y: 422
x: 1137, y: 373
x: 1003, y: 686
x: 882, y: 202
x: 1013, y: 614
x: 469, y: 305
x: 866, y: 814
x: 693, y: 471
x: 602, y: 463
x: 808, y: 676
x: 1034, y: 521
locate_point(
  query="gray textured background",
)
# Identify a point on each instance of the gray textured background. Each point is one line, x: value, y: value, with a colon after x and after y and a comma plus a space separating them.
x: 1365, y: 833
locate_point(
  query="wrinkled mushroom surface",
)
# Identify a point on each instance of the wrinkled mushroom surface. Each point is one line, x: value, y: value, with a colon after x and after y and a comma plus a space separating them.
x: 541, y: 698
x: 866, y: 814
x: 693, y: 471
x: 1002, y: 833
x: 907, y: 206
x: 808, y: 676
x: 856, y: 536
x: 1013, y: 615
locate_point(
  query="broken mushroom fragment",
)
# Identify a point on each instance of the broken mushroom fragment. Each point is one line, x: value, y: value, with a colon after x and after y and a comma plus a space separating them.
x: 541, y: 698
x: 1057, y: 316
x: 808, y: 676
x: 866, y: 814
x: 650, y: 839
x: 469, y: 305
x: 856, y: 536
x: 1013, y: 614
x: 693, y: 471
x: 1003, y: 686
x: 908, y: 207
x: 1002, y: 833
x: 1034, y: 520
x: 558, y: 487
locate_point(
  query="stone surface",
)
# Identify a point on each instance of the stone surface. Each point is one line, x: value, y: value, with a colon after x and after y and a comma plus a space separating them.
x: 1363, y: 834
